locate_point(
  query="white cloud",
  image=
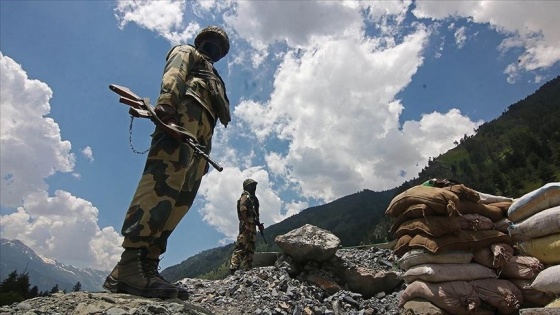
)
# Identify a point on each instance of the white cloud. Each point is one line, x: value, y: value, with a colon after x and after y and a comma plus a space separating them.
x: 164, y: 17
x: 221, y: 190
x: 88, y: 153
x: 61, y: 227
x: 32, y: 147
x: 336, y: 114
x: 297, y: 22
x: 532, y: 25
x: 460, y: 36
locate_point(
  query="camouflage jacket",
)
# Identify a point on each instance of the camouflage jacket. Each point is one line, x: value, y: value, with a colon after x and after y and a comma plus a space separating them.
x: 188, y: 72
x: 250, y: 204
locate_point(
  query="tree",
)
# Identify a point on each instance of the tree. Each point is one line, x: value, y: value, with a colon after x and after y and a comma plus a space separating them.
x: 14, y: 288
x: 22, y: 285
x: 55, y: 289
x: 77, y: 287
x: 9, y: 283
x: 34, y: 292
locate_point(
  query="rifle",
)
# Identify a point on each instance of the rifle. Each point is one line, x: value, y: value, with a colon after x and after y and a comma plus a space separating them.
x: 141, y: 108
x: 261, y: 229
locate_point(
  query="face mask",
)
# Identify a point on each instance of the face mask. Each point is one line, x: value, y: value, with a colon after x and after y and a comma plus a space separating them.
x: 212, y: 50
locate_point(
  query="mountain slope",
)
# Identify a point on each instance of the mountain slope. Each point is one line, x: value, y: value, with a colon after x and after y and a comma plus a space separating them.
x: 45, y: 273
x: 513, y: 154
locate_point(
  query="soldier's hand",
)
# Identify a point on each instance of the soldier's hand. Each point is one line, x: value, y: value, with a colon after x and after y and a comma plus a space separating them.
x: 166, y: 113
x: 261, y: 226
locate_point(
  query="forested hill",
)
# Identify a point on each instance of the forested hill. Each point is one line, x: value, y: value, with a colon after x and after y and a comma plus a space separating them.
x: 513, y: 154
x: 509, y: 156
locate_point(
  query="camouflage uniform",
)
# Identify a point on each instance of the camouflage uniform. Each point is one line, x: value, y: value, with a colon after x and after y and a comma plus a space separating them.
x: 172, y: 173
x: 248, y: 214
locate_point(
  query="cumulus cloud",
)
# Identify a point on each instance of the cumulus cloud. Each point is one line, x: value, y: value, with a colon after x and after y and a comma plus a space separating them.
x: 62, y: 227
x: 531, y: 25
x: 27, y: 134
x: 338, y: 116
x: 163, y: 17
x: 263, y: 23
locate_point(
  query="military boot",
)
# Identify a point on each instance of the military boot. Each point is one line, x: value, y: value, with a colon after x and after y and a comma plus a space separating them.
x: 182, y: 293
x: 135, y: 274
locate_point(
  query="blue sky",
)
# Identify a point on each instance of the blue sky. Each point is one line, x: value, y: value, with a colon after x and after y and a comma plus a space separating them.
x: 328, y: 98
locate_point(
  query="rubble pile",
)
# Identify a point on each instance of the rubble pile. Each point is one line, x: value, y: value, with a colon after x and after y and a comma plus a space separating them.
x: 343, y: 281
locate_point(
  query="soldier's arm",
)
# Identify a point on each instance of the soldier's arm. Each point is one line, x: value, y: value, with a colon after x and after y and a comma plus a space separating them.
x: 244, y: 208
x: 179, y: 62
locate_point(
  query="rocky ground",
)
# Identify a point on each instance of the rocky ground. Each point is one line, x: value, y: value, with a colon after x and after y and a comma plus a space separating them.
x: 273, y: 290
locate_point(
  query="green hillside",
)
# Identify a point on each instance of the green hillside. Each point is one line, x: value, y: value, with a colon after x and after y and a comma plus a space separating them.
x: 509, y: 156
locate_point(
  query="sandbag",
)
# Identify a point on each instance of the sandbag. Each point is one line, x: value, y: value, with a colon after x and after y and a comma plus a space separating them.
x: 488, y: 198
x: 455, y: 297
x: 440, y: 200
x: 503, y: 205
x: 464, y: 240
x: 417, y: 257
x: 546, y: 248
x: 548, y: 281
x: 464, y: 192
x: 494, y: 256
x: 417, y: 210
x: 502, y: 225
x: 554, y: 304
x: 468, y: 207
x: 402, y: 245
x: 448, y: 272
x: 499, y: 293
x: 474, y: 222
x: 547, y: 196
x: 532, y: 297
x: 540, y: 224
x: 521, y: 267
x: 431, y: 225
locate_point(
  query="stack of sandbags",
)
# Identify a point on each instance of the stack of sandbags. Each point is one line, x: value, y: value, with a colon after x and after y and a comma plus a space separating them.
x: 536, y: 223
x: 438, y: 229
x: 519, y: 270
x: 436, y: 219
x: 535, y: 231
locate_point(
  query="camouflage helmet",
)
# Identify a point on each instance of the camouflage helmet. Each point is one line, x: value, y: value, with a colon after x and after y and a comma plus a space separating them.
x: 216, y: 33
x: 248, y: 182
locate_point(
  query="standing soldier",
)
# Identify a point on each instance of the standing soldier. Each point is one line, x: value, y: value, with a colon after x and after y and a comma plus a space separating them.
x: 248, y: 214
x: 192, y: 96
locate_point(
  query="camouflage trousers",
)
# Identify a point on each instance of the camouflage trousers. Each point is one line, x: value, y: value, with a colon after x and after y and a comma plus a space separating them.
x: 244, y: 249
x: 169, y: 183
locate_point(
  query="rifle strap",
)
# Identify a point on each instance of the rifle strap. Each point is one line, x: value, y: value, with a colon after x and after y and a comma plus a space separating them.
x: 130, y: 139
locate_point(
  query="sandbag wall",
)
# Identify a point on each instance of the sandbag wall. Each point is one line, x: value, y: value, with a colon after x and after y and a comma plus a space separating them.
x: 454, y: 246
x: 535, y: 232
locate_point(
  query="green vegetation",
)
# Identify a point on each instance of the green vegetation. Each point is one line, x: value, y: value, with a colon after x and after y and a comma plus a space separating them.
x: 509, y: 156
x: 17, y: 287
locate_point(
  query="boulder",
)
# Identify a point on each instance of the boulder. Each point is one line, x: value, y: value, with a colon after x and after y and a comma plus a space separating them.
x: 309, y: 243
x: 369, y: 282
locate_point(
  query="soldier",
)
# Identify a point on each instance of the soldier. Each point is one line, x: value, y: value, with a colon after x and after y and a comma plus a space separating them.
x: 248, y: 214
x: 192, y: 96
